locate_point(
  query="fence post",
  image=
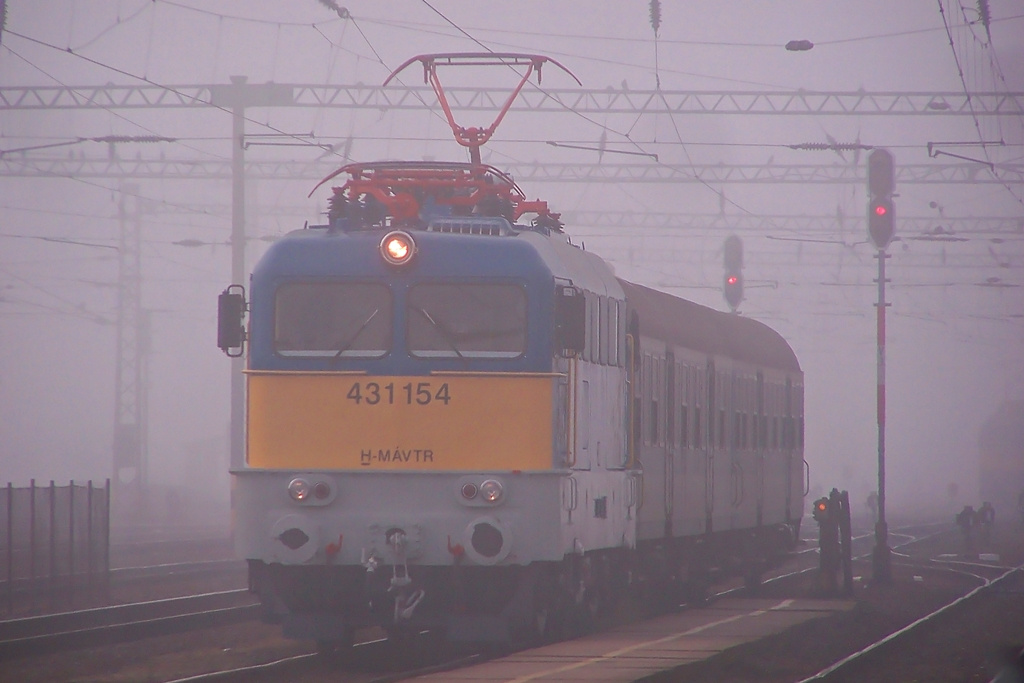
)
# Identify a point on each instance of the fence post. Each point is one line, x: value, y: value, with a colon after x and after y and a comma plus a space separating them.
x: 10, y: 547
x: 71, y: 542
x: 106, y: 545
x: 88, y: 541
x: 53, y: 540
x: 33, y: 588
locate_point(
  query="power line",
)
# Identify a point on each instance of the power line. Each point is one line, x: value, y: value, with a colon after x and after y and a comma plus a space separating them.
x: 970, y: 105
x: 583, y: 172
x: 109, y: 106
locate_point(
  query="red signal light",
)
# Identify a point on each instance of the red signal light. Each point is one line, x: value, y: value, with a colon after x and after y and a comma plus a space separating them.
x: 821, y: 510
x: 732, y: 279
x: 880, y: 210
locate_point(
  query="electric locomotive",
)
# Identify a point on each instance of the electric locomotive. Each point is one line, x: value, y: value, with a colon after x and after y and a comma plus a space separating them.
x: 458, y: 420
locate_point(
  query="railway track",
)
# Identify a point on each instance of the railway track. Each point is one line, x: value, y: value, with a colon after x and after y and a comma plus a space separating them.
x: 1004, y: 577
x: 32, y: 636
x: 918, y: 549
x: 369, y: 661
x: 134, y: 565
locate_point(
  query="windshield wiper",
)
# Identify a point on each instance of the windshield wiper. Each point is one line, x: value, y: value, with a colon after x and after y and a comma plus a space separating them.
x: 445, y: 334
x: 352, y: 340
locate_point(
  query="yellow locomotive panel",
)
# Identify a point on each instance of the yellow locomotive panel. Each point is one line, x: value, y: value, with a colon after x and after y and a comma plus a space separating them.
x: 449, y: 421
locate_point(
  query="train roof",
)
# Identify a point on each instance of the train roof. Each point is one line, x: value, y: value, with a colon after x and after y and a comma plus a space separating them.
x: 704, y: 329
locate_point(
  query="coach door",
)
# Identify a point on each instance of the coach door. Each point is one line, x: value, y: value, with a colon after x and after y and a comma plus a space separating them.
x: 709, y: 449
x: 758, y: 437
x: 668, y: 438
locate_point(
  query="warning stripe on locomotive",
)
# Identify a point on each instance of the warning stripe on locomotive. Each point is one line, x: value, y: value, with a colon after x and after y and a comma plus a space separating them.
x: 456, y: 421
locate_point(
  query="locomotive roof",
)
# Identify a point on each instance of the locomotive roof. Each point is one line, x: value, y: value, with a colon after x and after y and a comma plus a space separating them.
x: 704, y: 329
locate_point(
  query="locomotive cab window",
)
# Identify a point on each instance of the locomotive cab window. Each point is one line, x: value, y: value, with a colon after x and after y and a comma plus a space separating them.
x: 466, y: 321
x: 329, y: 319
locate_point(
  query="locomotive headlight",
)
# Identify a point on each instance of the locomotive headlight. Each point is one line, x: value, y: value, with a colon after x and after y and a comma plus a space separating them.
x: 397, y: 247
x: 299, y: 489
x: 321, y: 490
x: 491, y: 490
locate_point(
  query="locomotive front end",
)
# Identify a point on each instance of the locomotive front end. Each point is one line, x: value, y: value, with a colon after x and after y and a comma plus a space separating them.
x: 405, y: 428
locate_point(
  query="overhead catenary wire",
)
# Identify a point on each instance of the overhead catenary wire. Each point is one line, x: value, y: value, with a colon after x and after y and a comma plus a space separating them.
x: 148, y: 81
x: 977, y: 123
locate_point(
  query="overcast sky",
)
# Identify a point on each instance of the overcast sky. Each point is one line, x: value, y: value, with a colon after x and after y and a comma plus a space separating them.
x: 955, y: 335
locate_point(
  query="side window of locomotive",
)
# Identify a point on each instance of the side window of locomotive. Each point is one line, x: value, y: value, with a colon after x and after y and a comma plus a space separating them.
x: 327, y: 319
x: 466, y: 321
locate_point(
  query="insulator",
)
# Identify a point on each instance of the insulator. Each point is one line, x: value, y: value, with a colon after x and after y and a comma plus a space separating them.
x: 332, y: 5
x: 655, y: 15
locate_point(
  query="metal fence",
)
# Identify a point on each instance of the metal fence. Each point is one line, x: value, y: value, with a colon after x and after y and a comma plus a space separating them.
x: 54, y: 542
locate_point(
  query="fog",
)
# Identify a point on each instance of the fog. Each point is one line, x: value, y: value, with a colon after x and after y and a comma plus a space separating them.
x: 955, y: 328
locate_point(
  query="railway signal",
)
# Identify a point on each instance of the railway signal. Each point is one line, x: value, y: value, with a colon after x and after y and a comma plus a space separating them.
x: 881, y: 227
x: 881, y: 209
x: 732, y: 282
x: 832, y: 513
x: 821, y: 510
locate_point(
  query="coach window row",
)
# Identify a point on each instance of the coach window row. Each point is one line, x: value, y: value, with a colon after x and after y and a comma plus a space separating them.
x: 734, y: 423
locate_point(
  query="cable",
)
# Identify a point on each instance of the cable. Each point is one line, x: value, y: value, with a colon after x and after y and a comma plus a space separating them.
x: 235, y: 17
x: 60, y: 240
x: 64, y: 85
x: 148, y: 81
x: 970, y: 105
x: 117, y: 24
x: 593, y: 121
x: 422, y: 27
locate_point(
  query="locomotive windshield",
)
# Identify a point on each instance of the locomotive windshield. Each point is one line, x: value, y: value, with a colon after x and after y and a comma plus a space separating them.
x: 466, y: 321
x: 333, y: 319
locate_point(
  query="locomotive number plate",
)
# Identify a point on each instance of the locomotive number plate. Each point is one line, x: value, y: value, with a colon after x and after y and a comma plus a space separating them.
x: 409, y: 393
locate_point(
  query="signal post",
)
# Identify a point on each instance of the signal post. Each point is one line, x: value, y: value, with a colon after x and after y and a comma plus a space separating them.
x: 835, y: 541
x: 881, y: 228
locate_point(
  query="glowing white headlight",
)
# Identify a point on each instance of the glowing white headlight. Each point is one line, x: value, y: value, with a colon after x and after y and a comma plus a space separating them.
x: 299, y: 489
x: 397, y: 247
x: 491, y: 490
